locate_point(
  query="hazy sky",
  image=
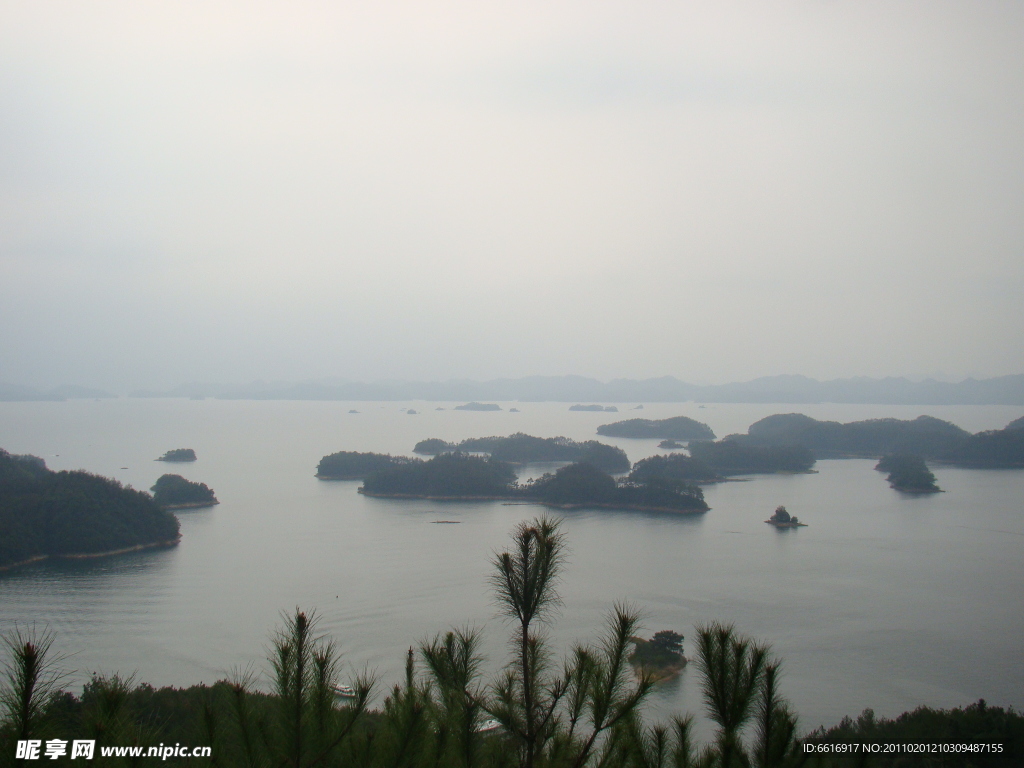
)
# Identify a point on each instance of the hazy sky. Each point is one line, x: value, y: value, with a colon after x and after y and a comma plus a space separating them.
x: 716, y: 191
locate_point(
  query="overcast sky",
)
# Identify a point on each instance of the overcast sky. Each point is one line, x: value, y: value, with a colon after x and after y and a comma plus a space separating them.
x: 715, y: 191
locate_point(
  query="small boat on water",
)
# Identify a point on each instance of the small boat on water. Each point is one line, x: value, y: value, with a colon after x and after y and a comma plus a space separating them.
x: 488, y: 725
x: 345, y: 691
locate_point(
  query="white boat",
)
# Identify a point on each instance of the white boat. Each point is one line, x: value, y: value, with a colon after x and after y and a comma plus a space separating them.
x: 488, y: 725
x: 345, y: 691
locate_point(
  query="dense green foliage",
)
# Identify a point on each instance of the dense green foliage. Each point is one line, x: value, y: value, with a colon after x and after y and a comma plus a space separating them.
x: 445, y: 475
x: 579, y: 712
x: 734, y: 457
x: 1016, y: 424
x: 908, y: 473
x: 521, y: 448
x: 70, y: 513
x: 175, y: 490
x: 674, y: 467
x: 582, y: 484
x: 350, y: 465
x: 179, y: 454
x: 676, y: 428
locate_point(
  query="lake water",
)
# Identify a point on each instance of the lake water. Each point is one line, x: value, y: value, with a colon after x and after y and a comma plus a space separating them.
x: 885, y: 600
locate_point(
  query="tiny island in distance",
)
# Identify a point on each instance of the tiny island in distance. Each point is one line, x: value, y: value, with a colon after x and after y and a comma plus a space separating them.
x: 175, y: 492
x: 782, y: 519
x: 661, y: 657
x: 179, y: 454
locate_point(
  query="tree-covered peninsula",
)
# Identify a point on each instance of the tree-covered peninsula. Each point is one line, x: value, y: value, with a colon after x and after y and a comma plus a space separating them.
x: 676, y: 466
x: 521, y: 448
x: 352, y: 465
x: 993, y: 449
x: 175, y: 492
x: 908, y: 473
x: 459, y: 476
x: 179, y: 454
x: 73, y: 514
x: 676, y: 428
x: 925, y: 436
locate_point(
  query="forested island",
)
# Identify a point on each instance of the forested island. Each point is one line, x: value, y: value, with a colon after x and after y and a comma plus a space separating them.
x: 459, y: 476
x: 676, y: 428
x: 782, y: 519
x: 908, y: 473
x: 179, y: 454
x: 175, y: 492
x: 73, y: 514
x: 352, y: 465
x: 925, y: 436
x: 478, y: 407
x: 521, y: 448
x: 661, y: 657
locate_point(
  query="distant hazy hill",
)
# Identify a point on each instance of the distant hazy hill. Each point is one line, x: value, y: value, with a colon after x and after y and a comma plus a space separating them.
x: 1004, y: 390
x: 15, y: 393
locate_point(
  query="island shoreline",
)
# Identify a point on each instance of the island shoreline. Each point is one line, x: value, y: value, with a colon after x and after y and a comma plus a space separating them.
x: 89, y: 555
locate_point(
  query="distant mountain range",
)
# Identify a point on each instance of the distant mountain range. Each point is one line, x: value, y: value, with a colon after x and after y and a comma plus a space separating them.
x: 1003, y: 390
x: 15, y: 393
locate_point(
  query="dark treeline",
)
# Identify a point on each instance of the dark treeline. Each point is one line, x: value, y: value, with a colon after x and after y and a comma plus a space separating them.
x: 676, y: 428
x: 45, y: 513
x: 176, y: 491
x: 462, y: 476
x: 581, y: 711
x: 521, y: 448
x: 908, y: 473
x: 924, y: 436
x: 976, y: 724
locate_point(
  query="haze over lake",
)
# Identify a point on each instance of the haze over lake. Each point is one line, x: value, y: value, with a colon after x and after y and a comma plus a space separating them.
x: 885, y: 601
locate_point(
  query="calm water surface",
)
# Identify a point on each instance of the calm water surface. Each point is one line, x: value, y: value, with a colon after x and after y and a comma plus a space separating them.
x: 884, y: 601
